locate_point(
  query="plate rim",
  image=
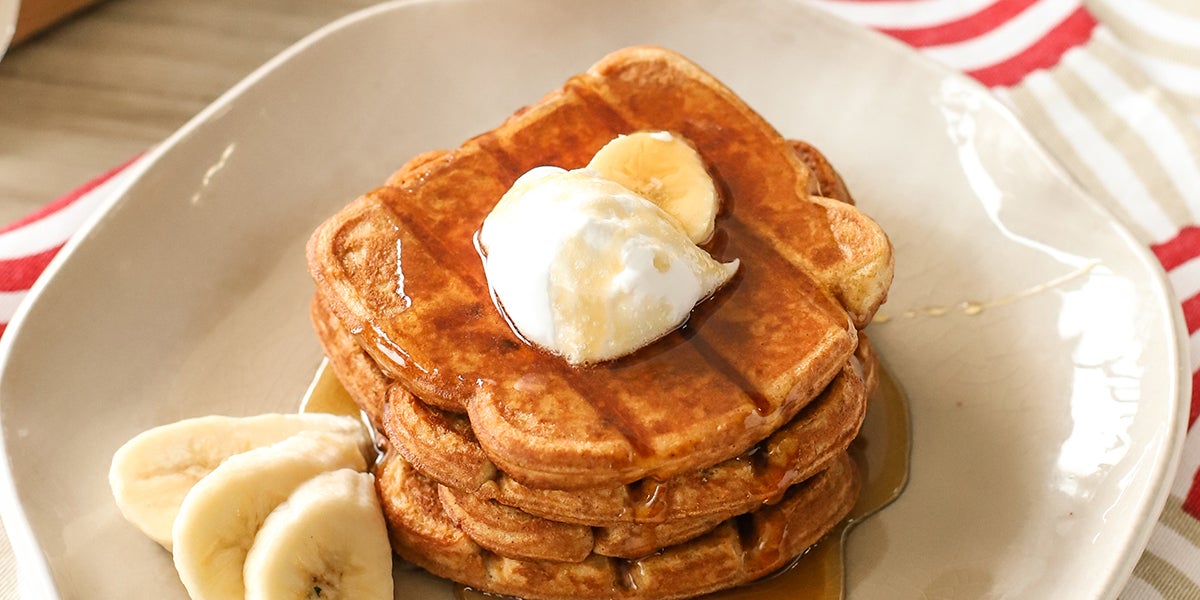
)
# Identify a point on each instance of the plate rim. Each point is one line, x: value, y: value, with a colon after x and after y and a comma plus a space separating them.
x: 34, y: 575
x: 35, y: 578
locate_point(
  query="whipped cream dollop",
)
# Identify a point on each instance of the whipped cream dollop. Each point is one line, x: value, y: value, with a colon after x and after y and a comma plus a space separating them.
x: 588, y: 269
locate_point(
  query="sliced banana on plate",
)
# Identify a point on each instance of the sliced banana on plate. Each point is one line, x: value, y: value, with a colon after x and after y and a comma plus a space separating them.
x: 328, y: 540
x: 666, y: 170
x: 151, y: 473
x: 221, y: 515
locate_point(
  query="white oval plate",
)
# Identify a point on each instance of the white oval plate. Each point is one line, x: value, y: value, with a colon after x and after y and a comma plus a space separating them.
x: 1045, y: 428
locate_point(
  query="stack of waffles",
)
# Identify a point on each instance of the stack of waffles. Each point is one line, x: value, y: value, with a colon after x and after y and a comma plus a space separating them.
x: 705, y: 460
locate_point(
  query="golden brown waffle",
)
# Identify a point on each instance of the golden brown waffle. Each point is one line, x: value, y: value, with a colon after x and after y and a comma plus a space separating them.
x: 358, y: 370
x: 750, y: 358
x: 443, y: 445
x: 736, y: 551
x: 710, y: 458
x: 823, y: 179
x: 512, y: 532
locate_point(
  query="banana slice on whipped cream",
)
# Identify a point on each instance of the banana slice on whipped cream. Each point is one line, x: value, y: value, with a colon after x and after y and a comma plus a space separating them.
x: 594, y: 263
x: 666, y: 170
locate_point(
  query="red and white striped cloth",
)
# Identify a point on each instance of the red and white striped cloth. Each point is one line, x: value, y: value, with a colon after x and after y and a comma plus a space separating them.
x: 1110, y: 87
x: 28, y: 244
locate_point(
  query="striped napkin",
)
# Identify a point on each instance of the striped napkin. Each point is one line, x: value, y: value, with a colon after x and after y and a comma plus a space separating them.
x: 1110, y: 87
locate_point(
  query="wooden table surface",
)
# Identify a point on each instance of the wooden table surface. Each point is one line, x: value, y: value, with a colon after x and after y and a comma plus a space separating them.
x: 119, y: 77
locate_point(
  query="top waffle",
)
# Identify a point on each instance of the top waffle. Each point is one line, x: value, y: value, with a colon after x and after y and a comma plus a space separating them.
x: 399, y: 268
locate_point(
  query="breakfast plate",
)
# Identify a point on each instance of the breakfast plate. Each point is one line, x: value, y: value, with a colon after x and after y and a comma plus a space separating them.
x: 1037, y: 340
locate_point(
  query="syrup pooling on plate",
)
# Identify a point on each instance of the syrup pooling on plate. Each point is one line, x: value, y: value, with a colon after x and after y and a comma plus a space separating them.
x: 973, y: 308
x: 882, y: 453
x: 327, y: 395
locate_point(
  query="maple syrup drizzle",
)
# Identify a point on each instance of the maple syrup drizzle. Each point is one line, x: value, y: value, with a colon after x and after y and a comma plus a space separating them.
x: 644, y: 538
x: 704, y: 338
x: 771, y: 533
x: 326, y: 394
x: 405, y: 299
x: 609, y: 408
x: 651, y: 505
x: 973, y: 308
x: 762, y: 406
x: 451, y: 259
x: 393, y: 351
x: 627, y: 575
x: 882, y: 452
x: 625, y: 424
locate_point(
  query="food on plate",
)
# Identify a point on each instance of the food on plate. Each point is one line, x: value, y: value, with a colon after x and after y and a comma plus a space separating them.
x: 669, y: 172
x: 585, y: 450
x: 151, y: 473
x: 399, y: 268
x: 738, y: 550
x: 589, y: 269
x: 441, y: 443
x: 206, y: 489
x: 220, y: 518
x: 327, y: 540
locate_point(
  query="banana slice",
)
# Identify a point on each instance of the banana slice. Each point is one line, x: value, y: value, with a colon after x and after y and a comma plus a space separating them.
x: 666, y: 170
x: 220, y: 516
x: 328, y: 540
x: 151, y: 473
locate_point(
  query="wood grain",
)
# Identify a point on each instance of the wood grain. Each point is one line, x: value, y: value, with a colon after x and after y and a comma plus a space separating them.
x: 120, y: 76
x: 117, y: 78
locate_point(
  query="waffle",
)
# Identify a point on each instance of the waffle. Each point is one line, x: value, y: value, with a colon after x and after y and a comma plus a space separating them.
x: 356, y: 368
x: 748, y: 361
x: 515, y: 533
x: 442, y: 445
x: 709, y: 458
x: 738, y: 550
